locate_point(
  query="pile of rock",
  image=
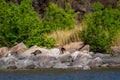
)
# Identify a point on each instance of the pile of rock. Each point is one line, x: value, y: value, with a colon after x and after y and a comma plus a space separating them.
x: 20, y: 57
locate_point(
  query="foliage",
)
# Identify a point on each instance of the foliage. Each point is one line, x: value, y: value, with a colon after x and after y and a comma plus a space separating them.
x: 20, y: 23
x: 97, y: 6
x: 101, y: 28
x: 58, y: 18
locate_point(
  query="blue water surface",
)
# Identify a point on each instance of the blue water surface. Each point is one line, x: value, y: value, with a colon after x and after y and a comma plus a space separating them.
x: 61, y: 75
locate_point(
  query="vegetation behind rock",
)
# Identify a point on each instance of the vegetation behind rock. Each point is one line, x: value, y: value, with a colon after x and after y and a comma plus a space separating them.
x: 20, y: 23
x: 102, y: 27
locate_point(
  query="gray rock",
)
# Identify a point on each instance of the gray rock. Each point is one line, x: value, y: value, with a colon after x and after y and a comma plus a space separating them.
x: 96, y: 62
x: 78, y: 54
x: 55, y: 52
x: 66, y: 57
x: 75, y: 54
x: 2, y: 64
x: 112, y: 60
x: 20, y: 64
x: 43, y: 61
x: 52, y: 63
x: 114, y: 65
x: 102, y: 56
x: 10, y: 62
x: 81, y: 58
x: 81, y: 61
x: 29, y: 64
x: 21, y: 58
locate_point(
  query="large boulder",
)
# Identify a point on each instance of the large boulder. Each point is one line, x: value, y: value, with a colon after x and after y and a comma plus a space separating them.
x: 20, y: 64
x: 81, y: 54
x: 75, y: 54
x: 81, y: 61
x: 17, y: 50
x: 72, y: 47
x: 3, y: 51
x: 26, y: 62
x: 114, y: 65
x: 10, y: 61
x: 52, y: 63
x: 112, y: 60
x: 96, y: 62
x: 29, y: 64
x: 65, y: 58
x: 2, y: 63
x: 55, y: 52
x: 35, y: 50
x: 81, y: 58
x: 44, y: 61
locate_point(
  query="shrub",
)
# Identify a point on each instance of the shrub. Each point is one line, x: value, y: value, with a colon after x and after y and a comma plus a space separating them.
x: 58, y: 18
x: 101, y: 28
x: 20, y: 23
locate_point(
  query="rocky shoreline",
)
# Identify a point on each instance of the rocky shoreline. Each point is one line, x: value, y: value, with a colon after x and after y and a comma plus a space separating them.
x: 20, y: 57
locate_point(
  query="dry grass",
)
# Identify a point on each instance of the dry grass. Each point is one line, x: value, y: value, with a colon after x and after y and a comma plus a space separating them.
x: 116, y: 41
x: 66, y: 36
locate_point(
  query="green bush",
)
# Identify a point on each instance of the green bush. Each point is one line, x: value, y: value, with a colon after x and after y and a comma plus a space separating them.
x: 20, y: 23
x: 101, y: 28
x: 58, y: 18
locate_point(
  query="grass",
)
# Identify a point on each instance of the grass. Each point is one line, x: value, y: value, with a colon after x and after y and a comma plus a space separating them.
x: 66, y: 36
x: 116, y: 41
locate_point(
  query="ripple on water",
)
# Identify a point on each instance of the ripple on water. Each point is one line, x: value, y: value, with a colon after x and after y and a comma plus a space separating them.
x: 60, y: 75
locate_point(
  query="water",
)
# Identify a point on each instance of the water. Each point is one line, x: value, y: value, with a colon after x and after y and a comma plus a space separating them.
x: 56, y: 74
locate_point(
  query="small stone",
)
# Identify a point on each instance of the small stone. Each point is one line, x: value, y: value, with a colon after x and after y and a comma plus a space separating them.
x: 60, y: 65
x: 86, y: 67
x: 77, y: 66
x: 105, y: 65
